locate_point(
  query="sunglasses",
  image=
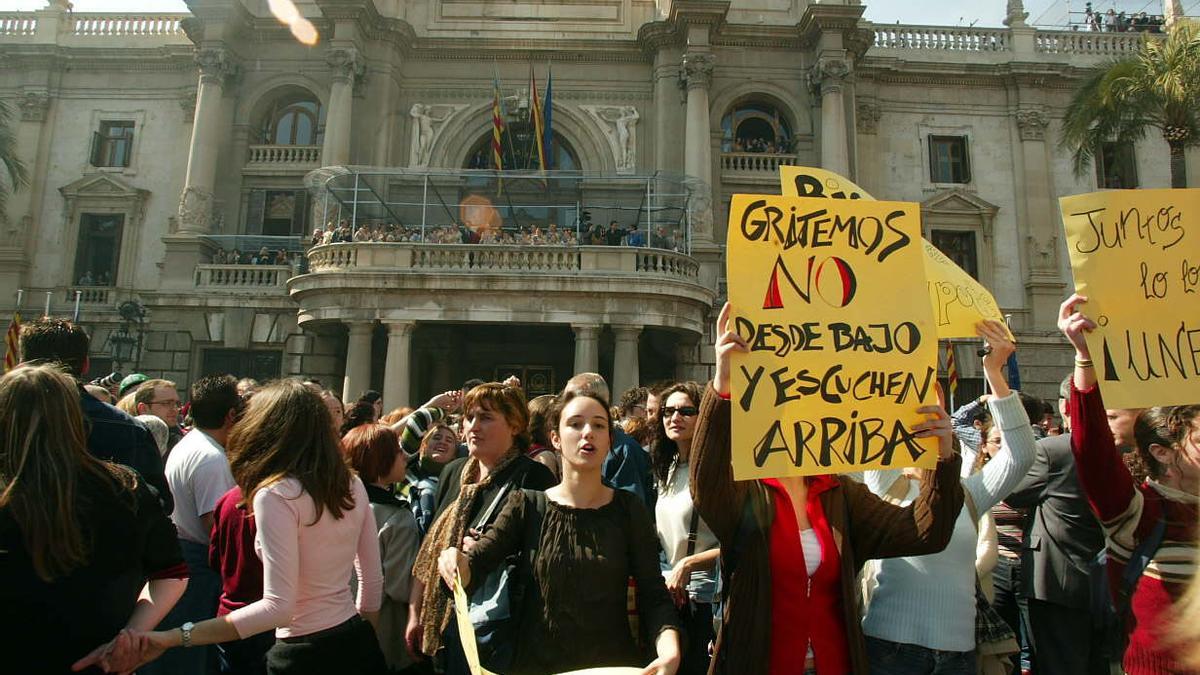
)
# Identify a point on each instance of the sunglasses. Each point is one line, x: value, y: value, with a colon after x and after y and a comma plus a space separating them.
x: 686, y: 411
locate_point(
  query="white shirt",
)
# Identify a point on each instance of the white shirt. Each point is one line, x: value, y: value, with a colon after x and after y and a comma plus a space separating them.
x: 198, y: 474
x: 672, y: 517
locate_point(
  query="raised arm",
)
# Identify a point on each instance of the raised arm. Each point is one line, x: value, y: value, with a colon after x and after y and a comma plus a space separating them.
x: 1104, y: 477
x: 716, y: 495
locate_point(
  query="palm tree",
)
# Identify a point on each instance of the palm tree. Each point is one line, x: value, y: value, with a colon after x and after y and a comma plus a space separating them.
x: 13, y: 174
x: 1159, y: 88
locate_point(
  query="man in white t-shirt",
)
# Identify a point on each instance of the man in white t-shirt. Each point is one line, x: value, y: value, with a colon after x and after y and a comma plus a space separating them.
x: 198, y: 474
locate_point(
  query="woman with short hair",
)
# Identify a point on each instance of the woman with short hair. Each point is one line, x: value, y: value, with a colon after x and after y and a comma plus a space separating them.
x: 496, y: 428
x: 80, y: 537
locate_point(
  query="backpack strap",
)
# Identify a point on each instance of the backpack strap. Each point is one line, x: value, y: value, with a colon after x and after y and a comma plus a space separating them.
x: 1138, y: 562
x: 485, y: 518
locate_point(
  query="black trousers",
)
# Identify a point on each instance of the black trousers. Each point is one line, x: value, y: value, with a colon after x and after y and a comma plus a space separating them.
x: 246, y: 657
x: 1065, y: 642
x: 347, y: 649
x: 697, y: 620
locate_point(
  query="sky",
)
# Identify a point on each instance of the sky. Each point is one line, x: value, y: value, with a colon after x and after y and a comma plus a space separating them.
x: 928, y: 12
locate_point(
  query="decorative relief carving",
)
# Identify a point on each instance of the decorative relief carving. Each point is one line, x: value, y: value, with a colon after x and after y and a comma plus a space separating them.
x: 428, y: 122
x: 619, y: 124
x: 697, y: 69
x: 216, y: 66
x: 1045, y: 252
x: 828, y: 75
x: 1032, y: 123
x: 347, y: 65
x: 867, y: 116
x: 33, y: 104
x: 195, y: 210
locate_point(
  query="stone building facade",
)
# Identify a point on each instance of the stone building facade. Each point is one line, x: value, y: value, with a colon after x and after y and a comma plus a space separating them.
x: 150, y: 138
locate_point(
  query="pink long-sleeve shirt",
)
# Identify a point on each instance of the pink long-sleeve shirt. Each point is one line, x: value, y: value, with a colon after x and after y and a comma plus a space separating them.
x: 306, y: 565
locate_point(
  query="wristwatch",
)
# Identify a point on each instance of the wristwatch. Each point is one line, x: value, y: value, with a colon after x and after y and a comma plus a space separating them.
x: 186, y: 631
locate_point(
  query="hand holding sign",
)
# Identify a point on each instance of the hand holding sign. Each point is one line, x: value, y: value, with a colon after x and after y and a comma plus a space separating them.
x: 728, y: 342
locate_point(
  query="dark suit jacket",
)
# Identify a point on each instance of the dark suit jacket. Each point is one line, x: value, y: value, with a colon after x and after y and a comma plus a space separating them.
x: 1062, y: 536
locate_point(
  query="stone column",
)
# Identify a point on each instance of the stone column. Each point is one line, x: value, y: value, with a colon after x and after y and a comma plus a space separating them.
x: 347, y: 68
x: 196, y: 202
x: 1043, y: 276
x: 358, y: 360
x: 397, y: 371
x: 828, y: 78
x: 587, y: 351
x: 626, y: 371
x: 697, y: 150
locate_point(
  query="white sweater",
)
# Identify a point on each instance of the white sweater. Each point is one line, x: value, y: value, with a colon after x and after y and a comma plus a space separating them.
x: 929, y: 600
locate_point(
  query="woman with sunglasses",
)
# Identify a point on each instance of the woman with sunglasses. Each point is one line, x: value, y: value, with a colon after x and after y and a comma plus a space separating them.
x: 690, y: 546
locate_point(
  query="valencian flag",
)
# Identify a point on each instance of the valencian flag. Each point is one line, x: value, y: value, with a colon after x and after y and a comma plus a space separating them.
x: 548, y: 117
x: 497, y: 128
x: 951, y: 372
x: 535, y: 116
x: 11, y: 357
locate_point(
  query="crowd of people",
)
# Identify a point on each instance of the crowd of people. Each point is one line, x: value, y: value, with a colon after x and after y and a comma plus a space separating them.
x: 264, y: 256
x: 761, y: 145
x: 1112, y: 21
x: 549, y: 234
x: 274, y: 528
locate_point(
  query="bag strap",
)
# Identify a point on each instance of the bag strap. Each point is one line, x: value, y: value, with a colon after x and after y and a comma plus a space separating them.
x: 1138, y: 562
x: 693, y: 526
x: 486, y: 517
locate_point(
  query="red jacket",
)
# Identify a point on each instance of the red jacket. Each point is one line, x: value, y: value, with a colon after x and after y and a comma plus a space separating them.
x: 811, y: 608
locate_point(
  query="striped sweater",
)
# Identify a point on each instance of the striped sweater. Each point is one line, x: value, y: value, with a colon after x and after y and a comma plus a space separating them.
x: 1128, y: 513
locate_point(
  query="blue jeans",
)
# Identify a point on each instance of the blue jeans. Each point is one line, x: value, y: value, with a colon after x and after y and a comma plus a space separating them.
x: 199, y: 602
x: 897, y: 658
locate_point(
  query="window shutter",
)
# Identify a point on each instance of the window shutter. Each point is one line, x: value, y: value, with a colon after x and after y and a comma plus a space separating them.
x: 127, y: 146
x: 256, y: 206
x: 94, y: 151
x: 966, y: 160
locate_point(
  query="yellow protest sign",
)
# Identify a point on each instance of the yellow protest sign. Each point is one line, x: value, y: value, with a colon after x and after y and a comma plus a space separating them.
x: 959, y: 301
x: 831, y: 298
x: 466, y: 632
x: 1136, y: 256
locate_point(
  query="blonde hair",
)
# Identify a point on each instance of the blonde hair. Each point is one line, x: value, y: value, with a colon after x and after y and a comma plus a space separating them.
x: 128, y: 403
x: 43, y: 458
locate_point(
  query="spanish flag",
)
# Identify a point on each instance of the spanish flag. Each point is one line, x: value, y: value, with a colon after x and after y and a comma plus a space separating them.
x: 12, y: 355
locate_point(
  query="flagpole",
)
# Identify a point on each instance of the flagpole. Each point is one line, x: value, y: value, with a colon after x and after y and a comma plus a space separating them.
x: 20, y: 298
x: 75, y: 316
x: 47, y: 314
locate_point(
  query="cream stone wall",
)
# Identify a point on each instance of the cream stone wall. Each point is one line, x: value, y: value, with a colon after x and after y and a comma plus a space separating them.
x: 888, y: 87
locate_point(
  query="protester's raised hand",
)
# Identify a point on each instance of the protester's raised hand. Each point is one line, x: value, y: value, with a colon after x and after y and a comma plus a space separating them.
x: 1000, y: 347
x: 448, y: 401
x: 727, y: 342
x: 1074, y: 324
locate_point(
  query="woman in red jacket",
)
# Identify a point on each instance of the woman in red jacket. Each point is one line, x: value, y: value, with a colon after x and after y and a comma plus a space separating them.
x: 791, y: 548
x: 1168, y: 439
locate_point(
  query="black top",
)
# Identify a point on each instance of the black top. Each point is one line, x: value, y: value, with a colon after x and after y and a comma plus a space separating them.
x: 522, y: 473
x: 45, y: 627
x: 574, y: 614
x: 114, y: 436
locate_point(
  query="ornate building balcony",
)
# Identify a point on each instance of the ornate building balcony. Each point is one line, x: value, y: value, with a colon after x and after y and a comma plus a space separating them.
x: 254, y: 279
x: 753, y: 167
x: 488, y: 283
x: 282, y: 159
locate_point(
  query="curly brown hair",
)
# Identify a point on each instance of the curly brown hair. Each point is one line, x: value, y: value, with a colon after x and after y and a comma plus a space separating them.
x: 1167, y: 426
x: 663, y: 450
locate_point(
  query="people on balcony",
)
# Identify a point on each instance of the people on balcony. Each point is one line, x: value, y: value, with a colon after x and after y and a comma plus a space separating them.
x: 525, y: 235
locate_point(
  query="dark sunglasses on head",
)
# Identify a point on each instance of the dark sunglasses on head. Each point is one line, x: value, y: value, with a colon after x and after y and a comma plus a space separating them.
x: 686, y: 411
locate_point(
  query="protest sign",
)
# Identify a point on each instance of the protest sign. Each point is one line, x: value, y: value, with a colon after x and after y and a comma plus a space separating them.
x: 1136, y: 256
x: 831, y: 298
x: 959, y: 301
x: 466, y: 632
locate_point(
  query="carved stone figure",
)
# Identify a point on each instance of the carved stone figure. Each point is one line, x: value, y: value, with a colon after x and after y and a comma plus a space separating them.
x: 428, y: 122
x: 619, y: 124
x: 195, y: 210
x: 1032, y: 124
x: 33, y: 105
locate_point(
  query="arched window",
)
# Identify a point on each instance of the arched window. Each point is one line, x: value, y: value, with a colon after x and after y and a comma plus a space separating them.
x: 520, y: 151
x: 754, y: 126
x: 295, y: 119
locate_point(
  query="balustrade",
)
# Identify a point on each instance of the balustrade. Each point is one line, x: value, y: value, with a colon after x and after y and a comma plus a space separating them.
x: 1087, y: 43
x: 17, y: 24
x: 116, y: 25
x: 281, y: 155
x: 232, y: 277
x: 942, y: 38
x: 755, y: 161
x: 89, y: 295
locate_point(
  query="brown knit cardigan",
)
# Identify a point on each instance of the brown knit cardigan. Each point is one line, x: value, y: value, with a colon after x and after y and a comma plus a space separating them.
x: 864, y: 527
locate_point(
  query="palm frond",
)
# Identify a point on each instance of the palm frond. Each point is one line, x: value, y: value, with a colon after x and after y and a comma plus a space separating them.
x: 15, y: 174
